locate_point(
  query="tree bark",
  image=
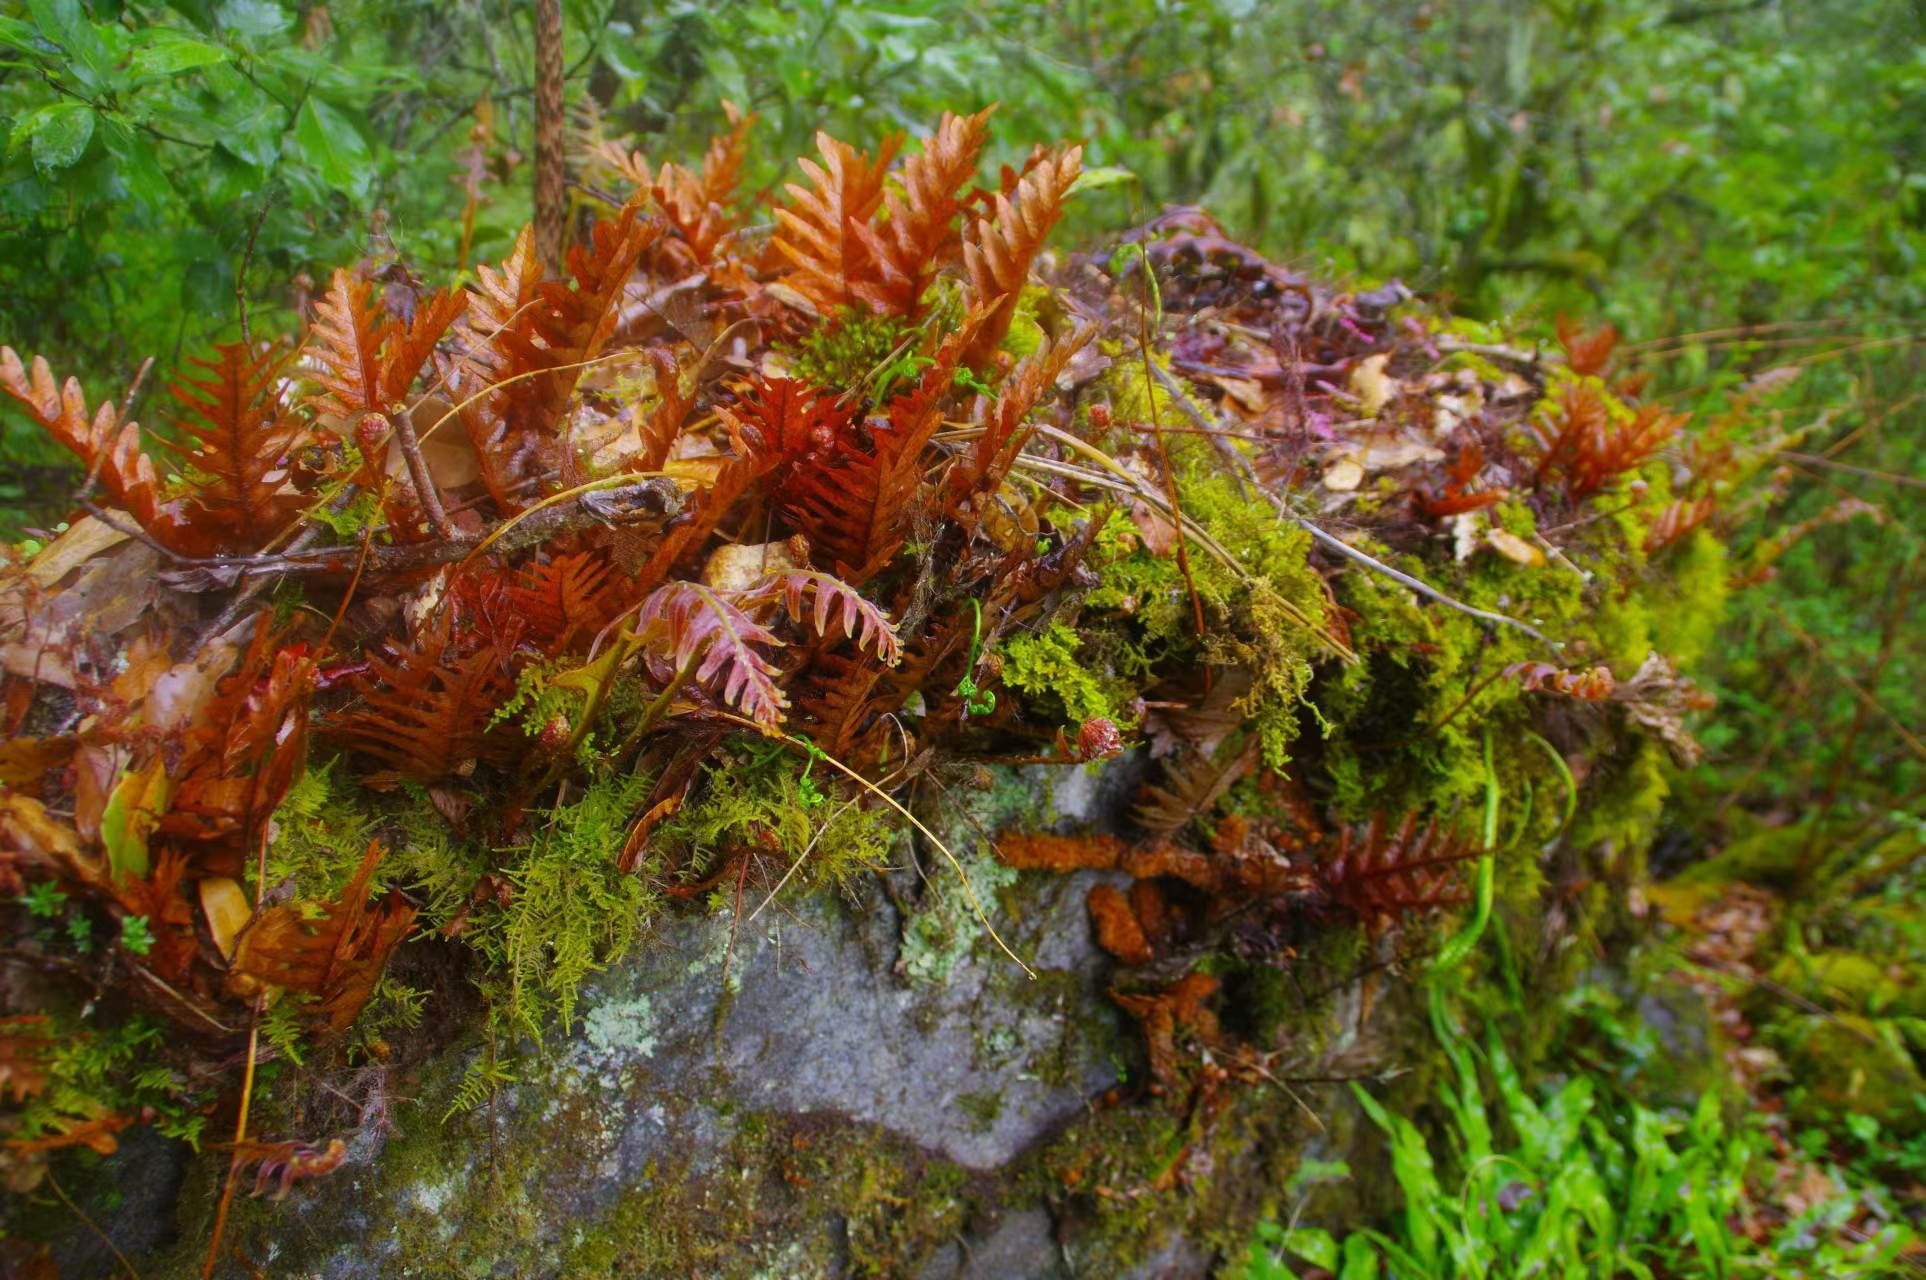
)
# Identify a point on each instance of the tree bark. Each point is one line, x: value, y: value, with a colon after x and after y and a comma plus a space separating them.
x: 549, y: 122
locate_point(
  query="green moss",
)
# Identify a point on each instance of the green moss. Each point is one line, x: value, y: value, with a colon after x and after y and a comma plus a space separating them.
x: 572, y: 909
x: 982, y: 1107
x: 1700, y: 575
x: 767, y: 799
x: 852, y: 347
x: 1045, y: 664
x: 945, y: 929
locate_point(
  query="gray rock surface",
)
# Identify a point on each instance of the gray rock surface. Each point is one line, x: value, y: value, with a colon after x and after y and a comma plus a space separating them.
x: 834, y: 1089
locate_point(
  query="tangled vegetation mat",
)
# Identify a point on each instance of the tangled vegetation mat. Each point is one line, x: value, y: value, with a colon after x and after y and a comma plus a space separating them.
x: 738, y: 576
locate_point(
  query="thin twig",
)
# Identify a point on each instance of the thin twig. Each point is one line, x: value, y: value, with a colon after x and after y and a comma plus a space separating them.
x: 89, y: 1223
x: 1418, y: 585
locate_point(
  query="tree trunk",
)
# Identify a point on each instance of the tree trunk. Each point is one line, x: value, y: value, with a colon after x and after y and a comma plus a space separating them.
x: 548, y: 133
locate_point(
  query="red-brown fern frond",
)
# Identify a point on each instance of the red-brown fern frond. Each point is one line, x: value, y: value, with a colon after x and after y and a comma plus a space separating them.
x: 784, y: 421
x: 106, y: 446
x: 406, y: 347
x: 855, y: 507
x: 580, y: 317
x: 424, y: 709
x: 282, y: 1164
x: 1004, y: 433
x: 1593, y: 684
x: 365, y: 361
x: 1192, y: 786
x: 26, y: 1054
x: 697, y: 204
x: 526, y: 340
x: 336, y: 956
x: 564, y: 599
x: 495, y: 343
x: 856, y: 504
x: 834, y: 705
x: 705, y: 510
x: 1462, y: 490
x: 703, y: 633
x: 826, y: 604
x: 1679, y: 518
x: 242, y: 753
x: 1383, y: 876
x: 1000, y: 246
x: 658, y: 426
x: 817, y: 233
x: 242, y: 439
x: 918, y: 236
x: 1586, y: 449
x: 1587, y: 351
x: 157, y: 898
x: 344, y: 345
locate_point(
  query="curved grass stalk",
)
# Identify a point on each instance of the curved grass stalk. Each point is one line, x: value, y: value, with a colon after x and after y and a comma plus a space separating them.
x: 1456, y: 950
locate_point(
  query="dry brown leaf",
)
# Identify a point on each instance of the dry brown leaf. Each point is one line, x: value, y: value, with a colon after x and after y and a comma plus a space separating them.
x: 1514, y: 548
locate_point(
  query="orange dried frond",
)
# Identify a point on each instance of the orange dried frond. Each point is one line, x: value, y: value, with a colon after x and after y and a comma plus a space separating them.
x: 580, y: 317
x: 918, y: 236
x: 659, y: 427
x: 1045, y: 851
x: 345, y: 346
x: 1005, y: 430
x: 817, y: 234
x: 158, y: 898
x: 631, y: 166
x: 366, y: 361
x: 529, y: 339
x: 406, y: 347
x: 95, y: 1133
x: 1001, y: 246
x: 106, y: 446
x: 697, y: 204
x: 722, y: 162
x: 495, y: 343
x: 424, y: 710
x: 1587, y: 351
x: 1594, y: 684
x: 242, y: 438
x: 335, y: 957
